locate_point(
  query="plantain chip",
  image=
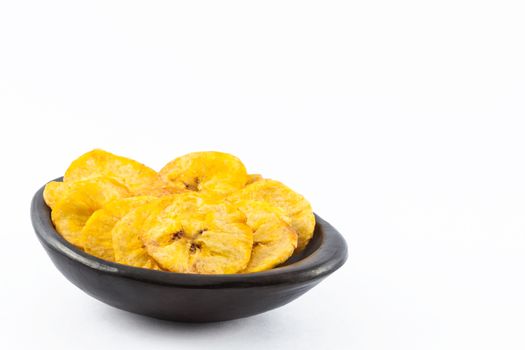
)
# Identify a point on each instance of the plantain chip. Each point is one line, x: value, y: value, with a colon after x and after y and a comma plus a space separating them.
x: 79, y: 201
x: 195, y: 234
x: 295, y: 206
x: 274, y: 241
x: 208, y: 172
x: 127, y: 244
x: 252, y: 178
x: 138, y: 178
x: 53, y: 192
x: 96, y: 233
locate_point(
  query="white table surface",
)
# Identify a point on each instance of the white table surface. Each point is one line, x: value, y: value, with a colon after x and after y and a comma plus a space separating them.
x: 402, y: 122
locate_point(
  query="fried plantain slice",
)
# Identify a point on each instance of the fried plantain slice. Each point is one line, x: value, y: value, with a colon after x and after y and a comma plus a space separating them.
x: 274, y: 241
x: 127, y: 244
x: 138, y: 178
x: 208, y: 172
x: 53, y: 193
x: 294, y: 205
x: 79, y: 201
x: 195, y: 234
x: 252, y: 178
x: 96, y: 233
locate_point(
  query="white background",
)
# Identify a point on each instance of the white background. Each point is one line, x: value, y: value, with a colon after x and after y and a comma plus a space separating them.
x: 401, y: 121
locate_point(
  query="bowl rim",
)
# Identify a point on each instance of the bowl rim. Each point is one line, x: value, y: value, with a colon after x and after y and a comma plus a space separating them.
x: 330, y: 255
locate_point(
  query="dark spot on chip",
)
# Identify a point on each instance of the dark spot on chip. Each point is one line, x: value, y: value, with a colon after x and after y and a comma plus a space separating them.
x: 177, y: 235
x: 192, y: 187
x: 194, y: 247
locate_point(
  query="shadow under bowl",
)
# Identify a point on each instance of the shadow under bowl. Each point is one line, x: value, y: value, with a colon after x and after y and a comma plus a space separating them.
x: 191, y: 297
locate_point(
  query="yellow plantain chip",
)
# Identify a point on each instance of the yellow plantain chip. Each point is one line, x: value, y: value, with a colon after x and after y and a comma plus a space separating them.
x: 208, y: 172
x: 194, y: 234
x: 53, y: 193
x: 295, y: 206
x: 138, y: 178
x: 127, y: 244
x: 79, y: 201
x: 252, y: 178
x: 55, y: 190
x: 96, y: 233
x: 274, y: 241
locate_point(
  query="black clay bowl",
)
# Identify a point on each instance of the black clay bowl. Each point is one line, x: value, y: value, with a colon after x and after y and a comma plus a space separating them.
x: 190, y: 297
